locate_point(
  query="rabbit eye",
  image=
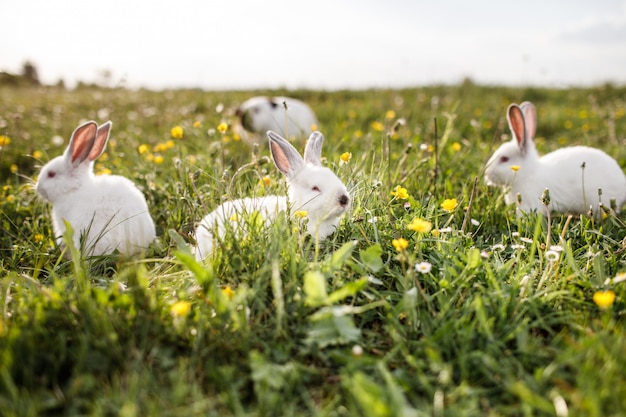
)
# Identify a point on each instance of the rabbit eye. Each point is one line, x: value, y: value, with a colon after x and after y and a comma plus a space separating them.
x: 52, y: 174
x: 504, y: 159
x: 315, y: 188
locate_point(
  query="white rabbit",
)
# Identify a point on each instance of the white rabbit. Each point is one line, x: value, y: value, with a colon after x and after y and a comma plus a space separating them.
x: 311, y: 187
x: 107, y: 212
x: 260, y: 114
x: 573, y: 175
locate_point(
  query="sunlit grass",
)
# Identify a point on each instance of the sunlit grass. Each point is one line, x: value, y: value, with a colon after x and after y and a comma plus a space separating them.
x: 432, y: 297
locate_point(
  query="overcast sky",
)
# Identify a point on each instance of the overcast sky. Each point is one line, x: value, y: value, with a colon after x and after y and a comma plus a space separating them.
x: 322, y: 44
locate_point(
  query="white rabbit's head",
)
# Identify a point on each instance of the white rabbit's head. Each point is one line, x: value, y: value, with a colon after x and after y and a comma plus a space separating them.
x: 515, y: 158
x: 73, y: 169
x: 312, y: 187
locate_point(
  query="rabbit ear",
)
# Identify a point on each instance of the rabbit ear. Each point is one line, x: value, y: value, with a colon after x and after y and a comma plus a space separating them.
x: 516, y: 123
x: 81, y: 143
x: 530, y: 118
x: 285, y: 156
x: 102, y: 137
x: 313, y: 150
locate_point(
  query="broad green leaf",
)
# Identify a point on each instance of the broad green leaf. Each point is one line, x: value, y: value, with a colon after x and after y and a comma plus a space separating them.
x: 348, y: 290
x: 473, y: 258
x: 372, y: 257
x: 340, y: 256
x: 180, y: 242
x: 332, y: 326
x: 315, y: 289
x: 368, y: 394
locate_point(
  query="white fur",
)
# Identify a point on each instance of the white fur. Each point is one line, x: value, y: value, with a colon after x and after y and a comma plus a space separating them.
x: 107, y: 211
x: 260, y: 114
x: 573, y: 189
x: 311, y: 187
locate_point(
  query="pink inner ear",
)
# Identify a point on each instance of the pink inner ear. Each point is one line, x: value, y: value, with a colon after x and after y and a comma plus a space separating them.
x: 280, y: 159
x: 516, y: 119
x: 102, y: 136
x: 82, y: 142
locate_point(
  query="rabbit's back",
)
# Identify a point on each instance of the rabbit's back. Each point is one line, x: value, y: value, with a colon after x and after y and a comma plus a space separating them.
x: 233, y: 214
x: 575, y: 174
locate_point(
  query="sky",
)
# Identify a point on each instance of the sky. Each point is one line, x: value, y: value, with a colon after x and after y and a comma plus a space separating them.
x: 322, y: 44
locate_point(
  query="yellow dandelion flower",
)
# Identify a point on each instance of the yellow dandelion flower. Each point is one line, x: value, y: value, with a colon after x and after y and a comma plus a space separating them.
x: 225, y: 139
x: 568, y: 124
x: 301, y: 214
x: 314, y: 127
x: 197, y: 123
x: 180, y: 308
x: 236, y: 137
x: 143, y: 148
x: 149, y: 157
x: 583, y: 114
x: 222, y: 127
x: 400, y: 193
x: 449, y: 204
x: 358, y: 134
x: 38, y: 238
x: 228, y: 292
x: 604, y: 299
x: 158, y: 159
x: 4, y: 140
x: 515, y: 168
x: 265, y: 181
x: 234, y: 218
x: 456, y: 146
x: 177, y: 132
x: 10, y: 198
x: 104, y: 171
x: 37, y: 154
x: 390, y: 114
x: 13, y: 168
x: 345, y: 157
x: 169, y: 144
x: 378, y: 126
x: 420, y: 225
x: 430, y: 148
x: 400, y: 244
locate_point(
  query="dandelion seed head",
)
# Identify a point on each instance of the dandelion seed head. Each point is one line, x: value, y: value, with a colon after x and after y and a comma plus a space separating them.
x: 552, y: 256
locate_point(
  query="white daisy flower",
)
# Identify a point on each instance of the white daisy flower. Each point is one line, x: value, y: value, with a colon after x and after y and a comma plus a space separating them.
x: 423, y: 267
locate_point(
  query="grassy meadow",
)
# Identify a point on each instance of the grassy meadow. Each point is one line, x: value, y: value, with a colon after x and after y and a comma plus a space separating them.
x: 431, y: 299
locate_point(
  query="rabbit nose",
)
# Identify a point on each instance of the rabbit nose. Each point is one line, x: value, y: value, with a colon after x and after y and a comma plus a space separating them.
x: 343, y: 200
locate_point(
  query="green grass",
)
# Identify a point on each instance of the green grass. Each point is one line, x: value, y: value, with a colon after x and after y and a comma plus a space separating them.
x: 275, y: 325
